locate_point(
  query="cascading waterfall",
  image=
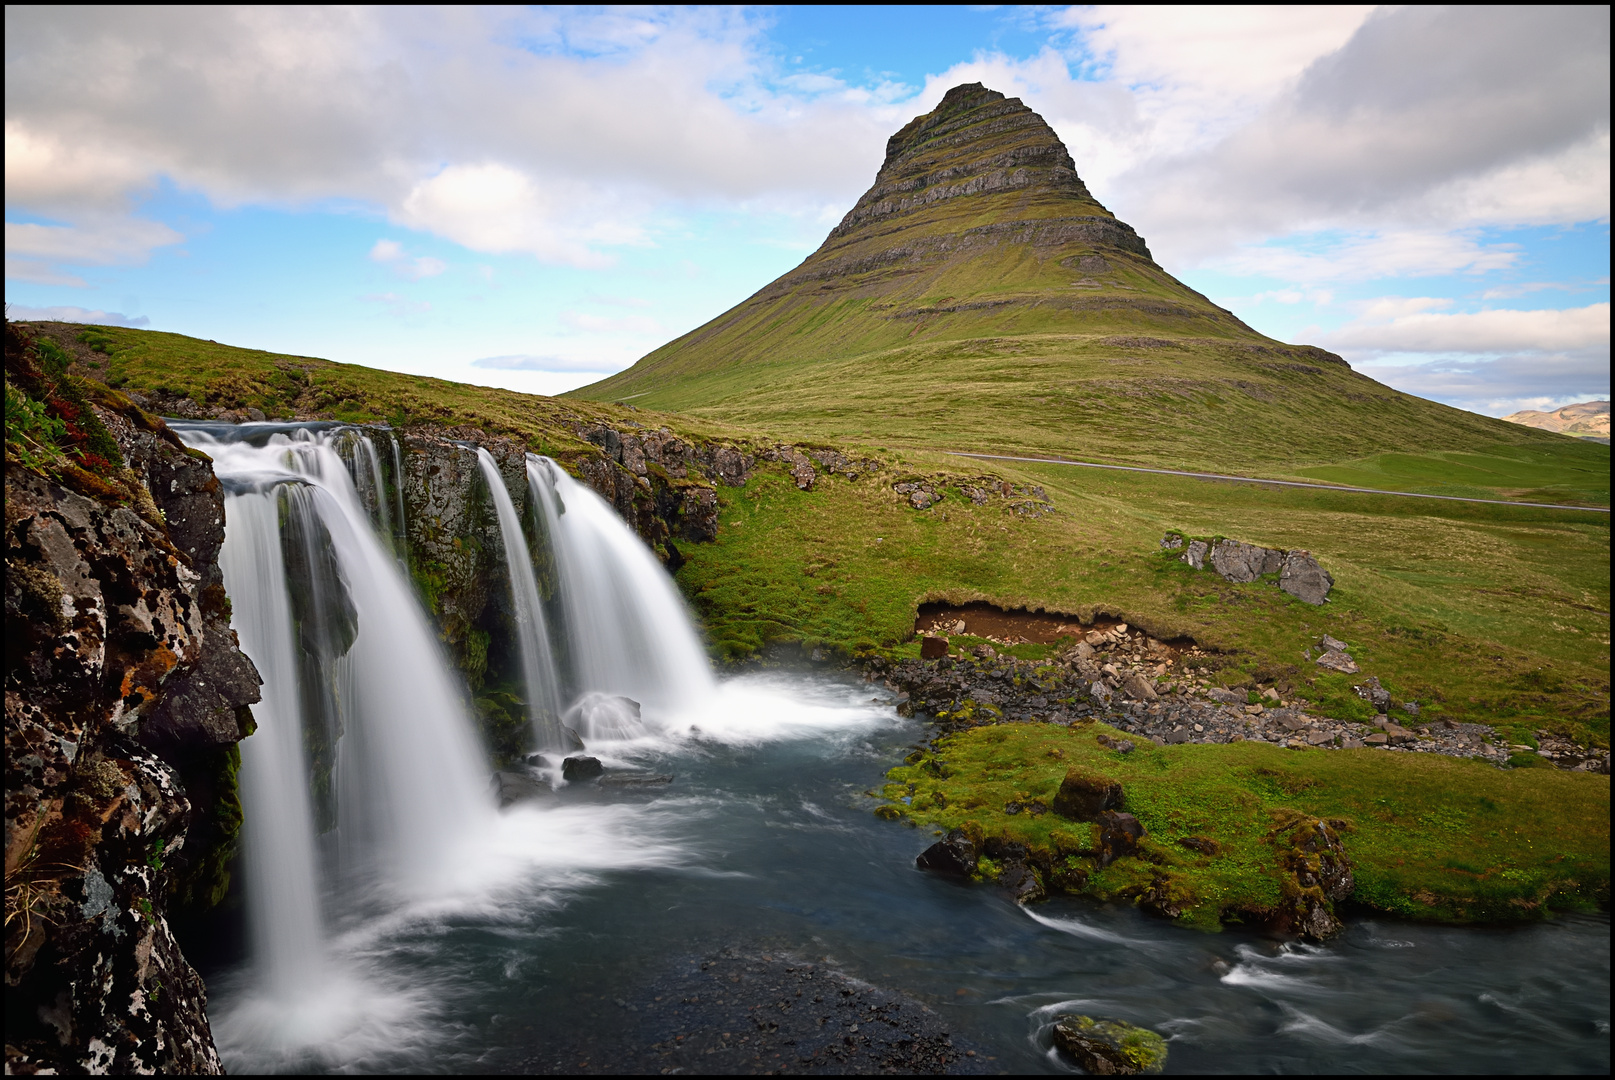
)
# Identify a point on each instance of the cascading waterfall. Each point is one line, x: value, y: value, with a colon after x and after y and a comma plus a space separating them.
x: 532, y: 632
x: 278, y: 831
x: 347, y: 659
x: 364, y: 782
x: 627, y: 627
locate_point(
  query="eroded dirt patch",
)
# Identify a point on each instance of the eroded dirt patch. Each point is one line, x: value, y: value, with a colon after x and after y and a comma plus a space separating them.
x: 1017, y: 627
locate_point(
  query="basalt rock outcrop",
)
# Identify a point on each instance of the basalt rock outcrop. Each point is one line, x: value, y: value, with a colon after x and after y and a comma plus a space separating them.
x: 125, y: 697
x: 1235, y: 561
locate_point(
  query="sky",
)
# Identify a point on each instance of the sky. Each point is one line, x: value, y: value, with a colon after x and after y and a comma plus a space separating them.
x: 535, y: 198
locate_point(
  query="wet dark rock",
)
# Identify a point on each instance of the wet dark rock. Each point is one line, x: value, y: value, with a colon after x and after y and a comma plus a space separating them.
x: 578, y: 768
x: 1109, y: 1047
x: 1084, y: 796
x: 513, y: 787
x: 954, y: 856
x: 1022, y: 883
x: 1119, y: 835
x: 570, y: 739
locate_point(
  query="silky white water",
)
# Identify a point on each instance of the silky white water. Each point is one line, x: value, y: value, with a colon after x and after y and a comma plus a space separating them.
x: 532, y: 631
x: 627, y: 627
x: 278, y: 831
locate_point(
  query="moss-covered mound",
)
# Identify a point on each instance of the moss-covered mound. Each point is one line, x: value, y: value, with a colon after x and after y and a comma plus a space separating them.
x: 1231, y: 830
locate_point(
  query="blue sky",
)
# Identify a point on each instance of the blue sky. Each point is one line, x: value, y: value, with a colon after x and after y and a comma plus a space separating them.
x: 537, y: 197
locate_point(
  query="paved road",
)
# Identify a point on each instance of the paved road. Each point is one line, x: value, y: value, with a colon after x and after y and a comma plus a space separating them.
x: 1278, y: 483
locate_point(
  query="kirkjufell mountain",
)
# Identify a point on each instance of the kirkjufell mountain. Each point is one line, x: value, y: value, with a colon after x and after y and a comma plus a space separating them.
x: 978, y: 296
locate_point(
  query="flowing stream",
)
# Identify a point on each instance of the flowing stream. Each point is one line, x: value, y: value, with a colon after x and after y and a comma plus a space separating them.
x: 400, y: 922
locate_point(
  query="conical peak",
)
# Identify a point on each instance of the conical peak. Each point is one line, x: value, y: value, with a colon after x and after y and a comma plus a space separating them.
x: 976, y: 142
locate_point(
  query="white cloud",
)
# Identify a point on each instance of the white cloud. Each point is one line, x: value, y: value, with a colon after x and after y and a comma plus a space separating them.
x: 1499, y: 385
x: 1427, y: 118
x: 391, y: 253
x: 69, y: 314
x: 1497, y: 331
x: 642, y: 325
x: 98, y: 242
x: 527, y: 362
x: 398, y: 305
x: 1368, y: 256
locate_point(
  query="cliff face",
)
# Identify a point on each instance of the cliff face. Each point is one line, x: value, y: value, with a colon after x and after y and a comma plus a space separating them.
x: 125, y: 696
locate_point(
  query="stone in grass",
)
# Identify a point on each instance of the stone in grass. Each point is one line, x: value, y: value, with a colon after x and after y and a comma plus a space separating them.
x: 1121, y: 746
x: 1109, y: 1047
x: 1335, y: 660
x: 1119, y: 835
x: 581, y: 768
x: 1083, y: 796
x: 1304, y: 579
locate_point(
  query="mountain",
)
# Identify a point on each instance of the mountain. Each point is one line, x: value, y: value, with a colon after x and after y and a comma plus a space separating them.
x: 1588, y: 420
x: 979, y: 297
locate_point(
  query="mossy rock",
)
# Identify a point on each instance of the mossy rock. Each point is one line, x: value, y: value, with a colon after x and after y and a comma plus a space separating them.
x: 1110, y: 1047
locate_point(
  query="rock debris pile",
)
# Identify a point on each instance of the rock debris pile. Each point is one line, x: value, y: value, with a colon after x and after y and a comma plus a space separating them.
x: 1170, y: 694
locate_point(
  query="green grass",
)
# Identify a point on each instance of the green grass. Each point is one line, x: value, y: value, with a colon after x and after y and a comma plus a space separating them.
x: 224, y: 376
x: 1490, y: 614
x: 1429, y: 837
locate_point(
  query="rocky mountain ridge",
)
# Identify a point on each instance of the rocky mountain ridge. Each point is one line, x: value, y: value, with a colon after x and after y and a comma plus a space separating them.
x: 1588, y: 420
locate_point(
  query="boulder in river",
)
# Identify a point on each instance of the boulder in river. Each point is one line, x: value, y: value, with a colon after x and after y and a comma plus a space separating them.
x: 954, y: 856
x: 1109, y: 1047
x: 579, y: 767
x: 514, y: 787
x: 1083, y: 796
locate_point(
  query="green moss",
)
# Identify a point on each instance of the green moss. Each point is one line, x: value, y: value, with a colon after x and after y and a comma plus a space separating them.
x: 1429, y: 837
x: 202, y: 880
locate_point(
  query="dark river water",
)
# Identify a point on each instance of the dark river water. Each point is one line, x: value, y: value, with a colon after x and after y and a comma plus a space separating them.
x: 550, y: 927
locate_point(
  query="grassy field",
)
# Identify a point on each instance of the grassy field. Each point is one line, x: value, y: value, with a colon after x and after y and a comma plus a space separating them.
x: 1489, y: 613
x: 1429, y: 837
x: 173, y: 366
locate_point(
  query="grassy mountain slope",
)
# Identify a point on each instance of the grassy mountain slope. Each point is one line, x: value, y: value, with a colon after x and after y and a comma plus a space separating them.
x: 979, y: 298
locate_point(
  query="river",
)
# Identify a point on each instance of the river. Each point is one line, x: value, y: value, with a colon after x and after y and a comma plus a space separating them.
x: 552, y: 929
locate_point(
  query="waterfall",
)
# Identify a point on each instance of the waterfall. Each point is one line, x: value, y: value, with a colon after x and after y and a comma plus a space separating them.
x: 532, y: 633
x: 628, y: 631
x: 363, y: 726
x: 278, y: 832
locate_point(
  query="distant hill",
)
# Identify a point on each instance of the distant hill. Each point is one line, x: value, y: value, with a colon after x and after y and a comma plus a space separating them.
x: 979, y: 297
x: 1588, y: 420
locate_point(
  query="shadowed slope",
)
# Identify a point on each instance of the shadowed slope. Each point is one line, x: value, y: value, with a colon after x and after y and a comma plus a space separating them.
x: 978, y: 297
